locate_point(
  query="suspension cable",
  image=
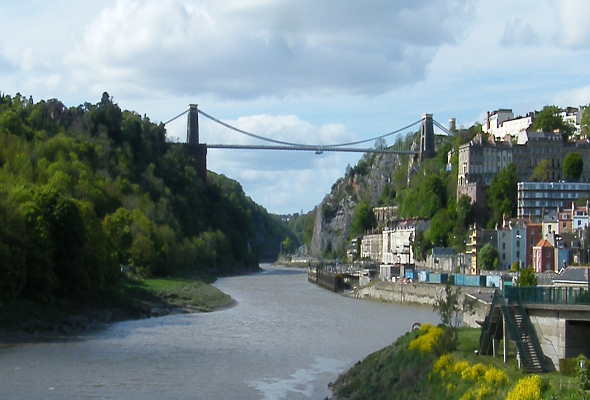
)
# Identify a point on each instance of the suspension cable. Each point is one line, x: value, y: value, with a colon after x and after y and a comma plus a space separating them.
x: 442, y: 127
x: 253, y: 135
x: 175, y: 118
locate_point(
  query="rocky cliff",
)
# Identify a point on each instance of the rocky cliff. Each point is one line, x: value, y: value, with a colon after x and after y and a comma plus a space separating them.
x: 370, y: 180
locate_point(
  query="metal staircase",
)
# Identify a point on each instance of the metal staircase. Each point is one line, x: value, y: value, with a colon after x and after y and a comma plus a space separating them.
x: 523, y: 334
x: 519, y: 329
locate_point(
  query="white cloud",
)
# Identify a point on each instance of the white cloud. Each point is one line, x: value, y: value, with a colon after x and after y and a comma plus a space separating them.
x: 266, y: 48
x: 574, y: 97
x: 519, y: 32
x: 574, y: 30
x: 280, y: 179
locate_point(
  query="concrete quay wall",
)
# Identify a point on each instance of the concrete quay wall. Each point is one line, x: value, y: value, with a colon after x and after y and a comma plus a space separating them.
x: 427, y: 293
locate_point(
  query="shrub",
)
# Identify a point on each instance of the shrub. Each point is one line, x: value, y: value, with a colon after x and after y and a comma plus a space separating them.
x: 443, y: 365
x: 429, y: 339
x: 473, y: 372
x: 527, y: 388
x: 495, y: 377
x: 477, y: 393
x: 460, y: 366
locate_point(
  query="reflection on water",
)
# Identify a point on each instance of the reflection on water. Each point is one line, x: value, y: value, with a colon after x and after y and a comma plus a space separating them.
x: 285, y: 339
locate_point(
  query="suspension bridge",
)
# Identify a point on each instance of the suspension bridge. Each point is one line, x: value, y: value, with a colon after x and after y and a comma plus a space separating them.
x: 425, y: 149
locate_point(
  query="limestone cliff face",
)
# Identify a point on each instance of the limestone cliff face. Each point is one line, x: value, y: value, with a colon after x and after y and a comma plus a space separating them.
x: 366, y: 181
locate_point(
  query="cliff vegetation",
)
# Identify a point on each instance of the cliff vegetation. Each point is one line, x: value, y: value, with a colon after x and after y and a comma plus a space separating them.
x: 90, y: 192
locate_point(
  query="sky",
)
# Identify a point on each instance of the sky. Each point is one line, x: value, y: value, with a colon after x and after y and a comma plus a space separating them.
x: 304, y: 71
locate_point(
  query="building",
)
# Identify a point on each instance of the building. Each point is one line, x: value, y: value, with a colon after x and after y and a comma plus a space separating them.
x: 385, y: 215
x: 579, y: 217
x: 512, y: 244
x: 502, y: 125
x: 476, y: 240
x: 573, y: 277
x: 543, y: 256
x: 537, y: 198
x: 480, y: 161
x: 534, y: 233
x: 573, y: 116
x: 398, y: 239
x: 564, y: 221
x: 371, y: 246
x: 442, y: 259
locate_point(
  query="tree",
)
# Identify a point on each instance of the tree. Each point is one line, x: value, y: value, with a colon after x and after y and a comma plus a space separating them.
x: 488, y: 258
x: 441, y: 226
x: 362, y: 219
x: 573, y: 165
x: 502, y: 194
x: 542, y: 172
x: 548, y: 120
x: 287, y: 245
x: 585, y: 120
x: 447, y: 306
x: 526, y: 277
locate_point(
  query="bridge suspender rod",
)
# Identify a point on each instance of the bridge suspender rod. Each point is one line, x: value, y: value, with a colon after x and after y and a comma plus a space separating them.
x: 253, y: 135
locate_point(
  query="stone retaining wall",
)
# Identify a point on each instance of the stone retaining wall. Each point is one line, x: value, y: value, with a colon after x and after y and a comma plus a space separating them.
x: 426, y: 293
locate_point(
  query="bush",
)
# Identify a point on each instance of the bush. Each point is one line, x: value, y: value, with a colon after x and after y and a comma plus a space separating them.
x: 429, y: 340
x: 527, y: 388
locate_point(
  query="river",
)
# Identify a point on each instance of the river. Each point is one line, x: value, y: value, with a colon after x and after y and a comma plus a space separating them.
x: 285, y: 339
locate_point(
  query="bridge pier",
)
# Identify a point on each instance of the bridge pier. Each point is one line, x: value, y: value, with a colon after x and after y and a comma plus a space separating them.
x: 197, y: 150
x: 427, y: 149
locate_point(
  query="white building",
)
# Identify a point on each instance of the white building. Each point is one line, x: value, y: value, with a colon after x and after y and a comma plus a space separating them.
x: 573, y: 116
x: 502, y: 124
x: 398, y: 239
x: 371, y: 246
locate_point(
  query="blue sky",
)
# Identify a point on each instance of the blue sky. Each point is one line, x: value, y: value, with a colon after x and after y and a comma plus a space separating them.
x: 304, y: 71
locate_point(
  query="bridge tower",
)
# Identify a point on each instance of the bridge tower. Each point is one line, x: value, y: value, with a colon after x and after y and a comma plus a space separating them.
x: 197, y: 150
x: 426, y: 138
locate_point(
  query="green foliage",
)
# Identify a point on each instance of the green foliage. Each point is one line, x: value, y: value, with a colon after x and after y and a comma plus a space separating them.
x: 548, y: 120
x: 502, y: 194
x: 447, y: 307
x: 87, y: 190
x: 424, y: 197
x: 526, y: 277
x: 585, y: 120
x: 583, y: 372
x: 488, y: 258
x: 363, y: 219
x: 542, y: 172
x: 387, y: 197
x: 573, y: 165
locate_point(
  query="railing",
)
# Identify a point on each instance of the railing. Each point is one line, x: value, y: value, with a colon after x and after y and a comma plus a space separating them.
x: 547, y: 295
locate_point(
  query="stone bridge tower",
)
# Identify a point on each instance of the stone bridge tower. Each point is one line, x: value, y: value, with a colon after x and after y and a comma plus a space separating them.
x: 196, y: 149
x: 426, y: 138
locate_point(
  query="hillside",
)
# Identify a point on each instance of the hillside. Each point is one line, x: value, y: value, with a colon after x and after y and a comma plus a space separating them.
x: 418, y: 190
x: 369, y: 181
x: 90, y: 191
x: 425, y: 365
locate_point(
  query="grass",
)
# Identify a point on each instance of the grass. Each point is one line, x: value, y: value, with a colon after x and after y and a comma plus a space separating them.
x: 396, y: 372
x: 130, y: 299
x: 182, y: 292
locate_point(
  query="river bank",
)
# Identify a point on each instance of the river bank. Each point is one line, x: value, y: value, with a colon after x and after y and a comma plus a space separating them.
x: 133, y: 299
x: 424, y: 368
